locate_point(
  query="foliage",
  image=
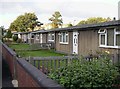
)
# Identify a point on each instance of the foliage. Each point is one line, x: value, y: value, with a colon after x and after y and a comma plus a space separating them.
x: 19, y: 40
x: 56, y: 19
x: 9, y: 34
x: 95, y: 73
x: 94, y: 20
x: 24, y: 22
x: 2, y: 30
x: 69, y: 25
x: 15, y: 38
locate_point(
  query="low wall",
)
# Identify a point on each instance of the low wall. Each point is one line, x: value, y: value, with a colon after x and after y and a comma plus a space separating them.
x: 8, y: 54
x: 26, y: 74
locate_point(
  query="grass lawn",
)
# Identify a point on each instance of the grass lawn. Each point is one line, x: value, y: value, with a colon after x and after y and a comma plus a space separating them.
x: 20, y: 49
x: 39, y: 53
x: 19, y: 46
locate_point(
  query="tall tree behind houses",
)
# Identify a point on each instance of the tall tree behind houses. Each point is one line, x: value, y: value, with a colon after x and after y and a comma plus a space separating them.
x: 94, y: 20
x: 24, y: 22
x: 56, y: 19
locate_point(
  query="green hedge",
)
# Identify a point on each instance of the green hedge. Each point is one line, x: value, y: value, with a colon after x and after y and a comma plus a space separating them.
x: 95, y: 73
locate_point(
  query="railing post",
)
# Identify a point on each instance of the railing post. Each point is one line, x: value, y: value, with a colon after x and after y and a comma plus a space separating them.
x: 30, y: 60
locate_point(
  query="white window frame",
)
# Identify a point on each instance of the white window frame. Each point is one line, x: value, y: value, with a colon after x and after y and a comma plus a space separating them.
x: 37, y: 37
x: 29, y: 35
x: 105, y: 33
x: 100, y: 35
x: 115, y: 34
x: 25, y: 37
x: 50, y: 37
x: 66, y: 38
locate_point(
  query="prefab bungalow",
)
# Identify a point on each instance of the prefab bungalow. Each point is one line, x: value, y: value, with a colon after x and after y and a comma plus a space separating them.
x: 88, y: 39
x: 24, y: 37
x: 18, y: 34
x: 40, y: 36
x: 51, y: 37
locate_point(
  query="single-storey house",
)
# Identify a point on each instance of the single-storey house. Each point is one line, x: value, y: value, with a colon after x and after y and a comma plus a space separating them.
x: 82, y: 40
x: 24, y: 37
x: 40, y: 36
x: 88, y: 39
x: 17, y: 34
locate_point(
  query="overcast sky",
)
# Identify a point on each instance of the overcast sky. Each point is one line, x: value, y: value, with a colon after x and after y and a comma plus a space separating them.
x: 71, y: 10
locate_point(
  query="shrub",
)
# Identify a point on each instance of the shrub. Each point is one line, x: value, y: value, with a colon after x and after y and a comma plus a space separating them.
x: 19, y: 40
x: 95, y: 73
x: 15, y: 38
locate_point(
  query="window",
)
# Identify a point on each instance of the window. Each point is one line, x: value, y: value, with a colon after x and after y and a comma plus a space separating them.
x: 117, y: 37
x: 51, y: 37
x: 37, y: 36
x: 109, y: 38
x: 102, y: 31
x: 29, y: 35
x: 102, y: 37
x: 63, y: 37
x: 32, y: 36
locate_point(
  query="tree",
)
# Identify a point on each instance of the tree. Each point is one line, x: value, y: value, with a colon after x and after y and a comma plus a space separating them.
x: 69, y: 25
x: 23, y: 22
x: 94, y: 20
x: 56, y: 19
x: 9, y: 34
x: 2, y: 30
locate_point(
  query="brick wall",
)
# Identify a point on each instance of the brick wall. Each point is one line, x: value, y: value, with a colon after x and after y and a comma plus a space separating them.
x: 8, y: 56
x: 26, y: 74
x: 24, y: 79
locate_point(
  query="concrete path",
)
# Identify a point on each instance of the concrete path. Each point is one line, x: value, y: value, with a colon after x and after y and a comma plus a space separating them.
x: 6, y: 76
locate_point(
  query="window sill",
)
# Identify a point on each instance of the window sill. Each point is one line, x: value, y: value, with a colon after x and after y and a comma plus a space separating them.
x: 116, y: 47
x: 63, y: 42
x: 51, y: 40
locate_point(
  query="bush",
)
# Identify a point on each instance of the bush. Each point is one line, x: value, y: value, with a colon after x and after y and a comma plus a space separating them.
x: 19, y: 40
x: 95, y: 73
x: 15, y: 38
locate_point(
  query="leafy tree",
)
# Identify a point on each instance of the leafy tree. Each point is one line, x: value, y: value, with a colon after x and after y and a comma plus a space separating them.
x: 69, y: 25
x: 2, y: 29
x: 9, y: 34
x: 56, y: 19
x: 23, y: 22
x: 94, y: 20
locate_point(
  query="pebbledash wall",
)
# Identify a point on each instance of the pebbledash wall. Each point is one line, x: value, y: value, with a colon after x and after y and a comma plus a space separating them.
x: 26, y: 74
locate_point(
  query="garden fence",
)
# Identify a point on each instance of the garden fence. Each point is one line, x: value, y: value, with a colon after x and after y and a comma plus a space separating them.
x: 48, y: 64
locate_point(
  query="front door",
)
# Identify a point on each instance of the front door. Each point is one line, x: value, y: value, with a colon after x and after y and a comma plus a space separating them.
x: 75, y: 42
